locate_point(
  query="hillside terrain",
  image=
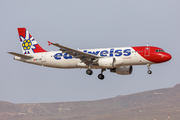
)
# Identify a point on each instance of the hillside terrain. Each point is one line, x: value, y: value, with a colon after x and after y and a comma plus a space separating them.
x: 139, y: 106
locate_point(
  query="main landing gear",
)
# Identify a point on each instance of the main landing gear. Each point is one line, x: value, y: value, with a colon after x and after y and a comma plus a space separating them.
x: 89, y: 71
x: 149, y: 71
x: 100, y: 76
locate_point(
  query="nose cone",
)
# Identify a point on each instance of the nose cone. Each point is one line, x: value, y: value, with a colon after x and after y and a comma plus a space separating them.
x: 166, y: 57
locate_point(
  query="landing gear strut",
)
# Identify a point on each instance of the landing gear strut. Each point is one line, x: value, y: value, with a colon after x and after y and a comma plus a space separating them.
x: 149, y: 71
x: 101, y: 76
x: 89, y: 71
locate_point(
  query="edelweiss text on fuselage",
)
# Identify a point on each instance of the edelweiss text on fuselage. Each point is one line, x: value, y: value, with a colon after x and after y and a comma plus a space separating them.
x: 103, y: 53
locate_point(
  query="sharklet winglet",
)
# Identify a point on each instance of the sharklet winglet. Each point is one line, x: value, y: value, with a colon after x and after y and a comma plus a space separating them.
x: 49, y: 43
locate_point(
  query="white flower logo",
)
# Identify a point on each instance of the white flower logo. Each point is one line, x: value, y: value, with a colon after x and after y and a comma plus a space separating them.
x: 28, y: 43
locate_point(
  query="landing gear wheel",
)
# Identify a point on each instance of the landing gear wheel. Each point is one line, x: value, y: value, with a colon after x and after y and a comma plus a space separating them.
x: 89, y: 71
x: 149, y: 72
x: 101, y: 76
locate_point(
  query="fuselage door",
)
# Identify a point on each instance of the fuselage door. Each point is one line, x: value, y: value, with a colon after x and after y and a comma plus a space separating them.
x: 147, y: 51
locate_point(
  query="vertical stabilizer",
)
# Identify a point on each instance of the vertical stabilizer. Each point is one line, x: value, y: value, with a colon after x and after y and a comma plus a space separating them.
x: 28, y: 44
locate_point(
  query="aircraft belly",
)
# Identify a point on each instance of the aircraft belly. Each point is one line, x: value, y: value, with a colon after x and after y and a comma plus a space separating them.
x: 63, y: 63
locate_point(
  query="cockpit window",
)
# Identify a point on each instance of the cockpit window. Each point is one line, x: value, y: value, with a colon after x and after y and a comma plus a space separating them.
x: 158, y: 50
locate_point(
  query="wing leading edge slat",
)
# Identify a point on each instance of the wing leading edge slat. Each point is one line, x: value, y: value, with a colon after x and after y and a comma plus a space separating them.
x: 73, y: 52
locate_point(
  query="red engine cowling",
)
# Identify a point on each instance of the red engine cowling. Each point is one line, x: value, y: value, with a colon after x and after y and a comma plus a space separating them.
x: 123, y: 70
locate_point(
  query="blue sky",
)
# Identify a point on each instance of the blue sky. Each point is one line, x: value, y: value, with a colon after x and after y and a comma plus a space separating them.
x: 86, y: 24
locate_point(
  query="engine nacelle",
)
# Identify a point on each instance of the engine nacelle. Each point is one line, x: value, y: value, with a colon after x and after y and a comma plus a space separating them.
x: 110, y: 62
x: 106, y: 62
x: 123, y: 70
x: 118, y: 61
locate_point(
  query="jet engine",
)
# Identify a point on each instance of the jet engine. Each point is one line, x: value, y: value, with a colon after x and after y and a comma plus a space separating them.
x: 106, y: 62
x: 123, y: 70
x: 110, y: 62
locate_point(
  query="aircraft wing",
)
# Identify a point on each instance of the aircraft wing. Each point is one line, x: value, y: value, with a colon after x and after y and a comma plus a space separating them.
x: 73, y: 52
x: 21, y: 55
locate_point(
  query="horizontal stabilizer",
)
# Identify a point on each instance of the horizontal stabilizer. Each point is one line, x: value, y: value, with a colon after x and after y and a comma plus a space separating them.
x: 21, y: 55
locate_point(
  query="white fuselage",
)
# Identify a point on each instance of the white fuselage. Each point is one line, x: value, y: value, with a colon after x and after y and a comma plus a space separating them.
x: 57, y: 59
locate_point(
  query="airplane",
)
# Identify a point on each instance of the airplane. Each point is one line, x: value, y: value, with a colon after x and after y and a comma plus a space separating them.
x: 118, y: 60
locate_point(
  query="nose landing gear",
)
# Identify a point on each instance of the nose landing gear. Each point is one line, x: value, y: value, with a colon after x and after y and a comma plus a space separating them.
x: 149, y: 71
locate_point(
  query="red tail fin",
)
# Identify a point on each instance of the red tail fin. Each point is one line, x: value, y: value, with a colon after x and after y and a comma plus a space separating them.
x: 28, y: 43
